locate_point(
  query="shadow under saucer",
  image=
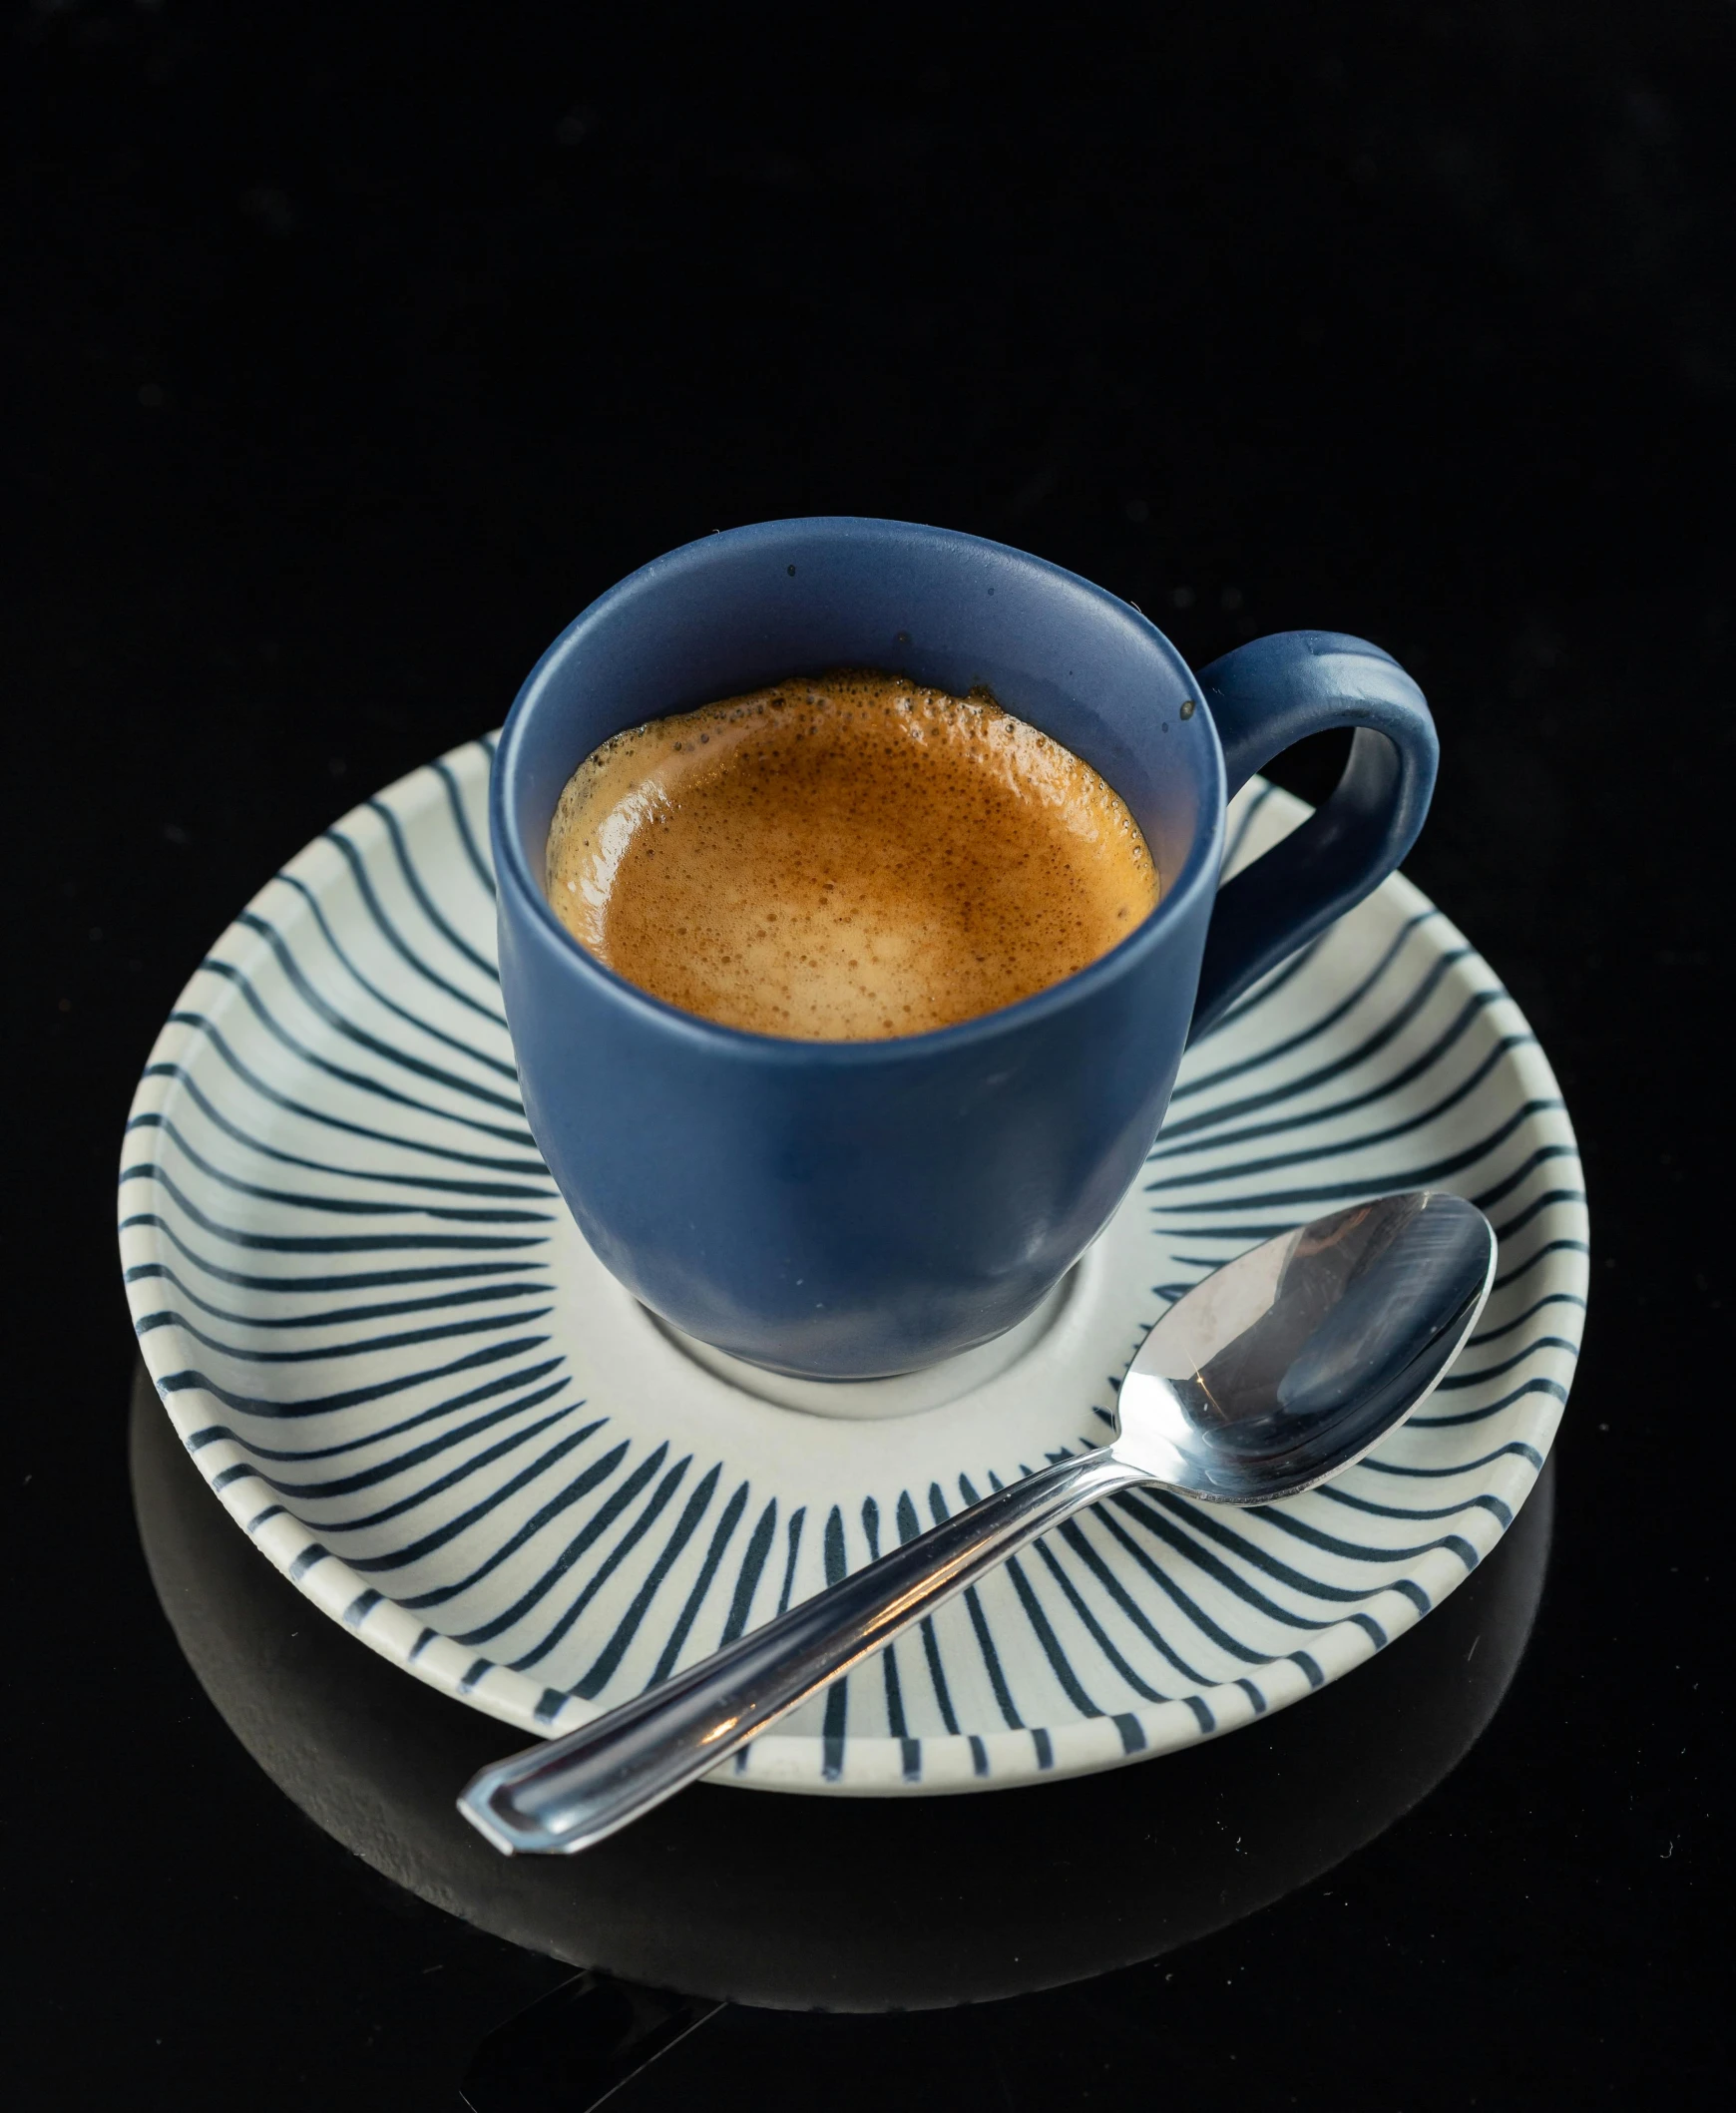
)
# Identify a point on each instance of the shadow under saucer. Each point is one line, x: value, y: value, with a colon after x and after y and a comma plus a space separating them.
x: 797, y: 1903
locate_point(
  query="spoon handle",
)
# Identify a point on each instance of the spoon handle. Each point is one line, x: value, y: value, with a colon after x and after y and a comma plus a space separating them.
x: 572, y: 1792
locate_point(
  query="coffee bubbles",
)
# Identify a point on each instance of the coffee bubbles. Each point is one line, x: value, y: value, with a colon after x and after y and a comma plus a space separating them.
x: 845, y: 858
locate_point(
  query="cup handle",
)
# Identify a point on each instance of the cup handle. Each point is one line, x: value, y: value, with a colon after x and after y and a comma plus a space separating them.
x: 1262, y: 698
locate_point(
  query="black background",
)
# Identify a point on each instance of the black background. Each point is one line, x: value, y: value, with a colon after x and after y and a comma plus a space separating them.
x: 350, y: 352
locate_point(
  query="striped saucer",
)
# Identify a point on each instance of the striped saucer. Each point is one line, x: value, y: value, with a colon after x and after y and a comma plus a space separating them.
x: 380, y: 1334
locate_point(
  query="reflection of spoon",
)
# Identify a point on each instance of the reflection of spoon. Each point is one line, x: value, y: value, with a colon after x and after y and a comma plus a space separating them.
x: 1283, y: 1369
x: 951, y: 1899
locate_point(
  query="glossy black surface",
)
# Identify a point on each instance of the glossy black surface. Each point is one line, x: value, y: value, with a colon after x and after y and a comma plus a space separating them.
x: 742, y: 1897
x: 345, y: 360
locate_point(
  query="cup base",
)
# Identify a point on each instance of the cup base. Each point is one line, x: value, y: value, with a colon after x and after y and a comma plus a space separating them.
x: 906, y: 1393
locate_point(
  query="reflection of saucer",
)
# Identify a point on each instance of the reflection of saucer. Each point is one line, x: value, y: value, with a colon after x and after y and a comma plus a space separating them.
x: 847, y: 1905
x: 380, y: 1334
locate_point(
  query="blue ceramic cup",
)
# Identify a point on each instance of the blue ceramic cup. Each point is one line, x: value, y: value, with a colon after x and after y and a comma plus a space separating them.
x: 855, y: 1209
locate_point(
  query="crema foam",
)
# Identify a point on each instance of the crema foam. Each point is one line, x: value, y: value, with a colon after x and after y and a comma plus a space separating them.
x: 845, y: 858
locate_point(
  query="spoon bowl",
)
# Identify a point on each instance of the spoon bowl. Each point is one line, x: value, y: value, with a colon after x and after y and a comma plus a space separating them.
x: 1280, y: 1370
x: 1287, y: 1364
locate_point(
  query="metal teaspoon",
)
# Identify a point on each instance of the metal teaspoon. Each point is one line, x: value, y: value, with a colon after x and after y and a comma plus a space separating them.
x: 1279, y: 1370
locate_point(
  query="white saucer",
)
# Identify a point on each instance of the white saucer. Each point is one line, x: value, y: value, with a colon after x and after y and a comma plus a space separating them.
x: 380, y: 1334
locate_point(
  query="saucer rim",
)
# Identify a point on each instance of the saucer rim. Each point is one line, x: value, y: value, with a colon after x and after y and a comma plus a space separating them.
x: 873, y: 1764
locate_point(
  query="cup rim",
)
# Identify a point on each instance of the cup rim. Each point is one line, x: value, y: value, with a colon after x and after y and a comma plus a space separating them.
x: 1199, y: 874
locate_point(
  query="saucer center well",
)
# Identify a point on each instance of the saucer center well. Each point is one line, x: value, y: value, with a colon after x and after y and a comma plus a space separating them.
x: 907, y: 1393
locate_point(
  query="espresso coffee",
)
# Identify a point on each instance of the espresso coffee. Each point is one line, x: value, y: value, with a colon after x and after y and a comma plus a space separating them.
x: 845, y: 858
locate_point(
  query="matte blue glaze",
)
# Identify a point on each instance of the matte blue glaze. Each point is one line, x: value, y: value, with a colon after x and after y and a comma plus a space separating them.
x: 856, y: 1209
x: 1263, y: 697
